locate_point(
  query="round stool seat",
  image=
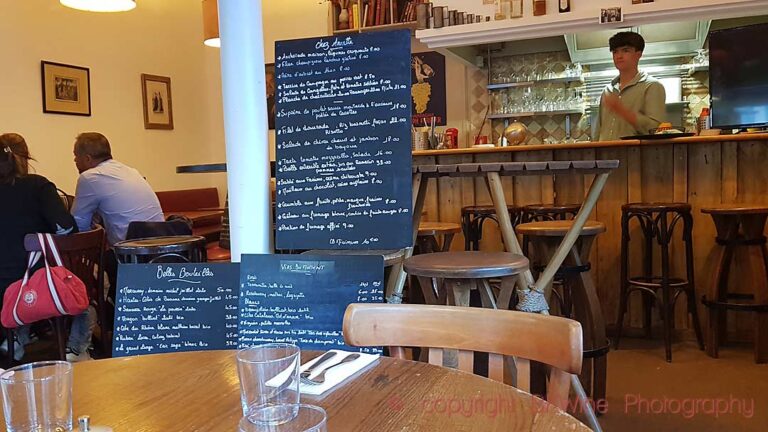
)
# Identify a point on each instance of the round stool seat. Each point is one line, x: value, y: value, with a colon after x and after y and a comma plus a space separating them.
x: 558, y: 228
x: 438, y: 228
x: 466, y: 265
x: 391, y: 257
x: 735, y: 209
x: 652, y: 207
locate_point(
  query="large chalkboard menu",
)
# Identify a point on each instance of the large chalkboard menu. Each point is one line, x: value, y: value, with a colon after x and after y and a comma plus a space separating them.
x: 175, y: 307
x: 301, y: 299
x: 343, y: 127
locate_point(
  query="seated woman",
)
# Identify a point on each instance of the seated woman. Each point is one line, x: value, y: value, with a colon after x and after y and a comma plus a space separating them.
x: 33, y: 206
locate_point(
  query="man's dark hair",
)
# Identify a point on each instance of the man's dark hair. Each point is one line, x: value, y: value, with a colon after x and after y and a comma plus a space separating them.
x: 627, y: 38
x: 94, y: 145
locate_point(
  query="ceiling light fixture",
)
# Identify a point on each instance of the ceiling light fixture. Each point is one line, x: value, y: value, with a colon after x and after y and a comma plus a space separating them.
x: 211, y: 23
x: 100, y: 5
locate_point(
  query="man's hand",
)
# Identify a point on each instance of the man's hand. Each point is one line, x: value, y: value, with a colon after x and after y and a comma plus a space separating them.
x: 614, y: 103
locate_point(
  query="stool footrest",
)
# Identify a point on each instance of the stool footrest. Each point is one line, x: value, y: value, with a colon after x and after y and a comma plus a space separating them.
x: 655, y: 281
x: 738, y: 307
x: 598, y: 352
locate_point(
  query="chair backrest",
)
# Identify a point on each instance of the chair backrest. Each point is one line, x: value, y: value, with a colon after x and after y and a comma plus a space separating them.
x: 554, y: 341
x: 137, y: 230
x: 66, y: 198
x: 81, y: 253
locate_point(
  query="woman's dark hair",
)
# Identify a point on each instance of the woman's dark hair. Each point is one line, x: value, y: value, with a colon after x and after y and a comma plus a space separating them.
x: 627, y: 38
x: 14, y: 157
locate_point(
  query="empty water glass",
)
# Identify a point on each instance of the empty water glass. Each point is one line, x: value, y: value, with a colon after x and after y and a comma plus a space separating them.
x: 37, y: 397
x: 269, y: 381
x: 308, y: 418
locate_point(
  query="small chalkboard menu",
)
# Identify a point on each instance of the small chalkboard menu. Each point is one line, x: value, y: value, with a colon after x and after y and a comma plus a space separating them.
x: 175, y: 307
x: 301, y: 299
x: 343, y: 142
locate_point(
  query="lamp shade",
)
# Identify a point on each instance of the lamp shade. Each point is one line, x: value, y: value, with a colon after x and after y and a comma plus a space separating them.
x: 211, y: 23
x: 100, y: 5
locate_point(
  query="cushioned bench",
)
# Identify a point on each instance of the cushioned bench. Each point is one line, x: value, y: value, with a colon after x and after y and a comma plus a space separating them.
x: 199, y: 205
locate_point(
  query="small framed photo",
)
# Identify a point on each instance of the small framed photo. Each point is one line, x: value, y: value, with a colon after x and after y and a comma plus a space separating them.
x: 641, y: 1
x: 157, y: 101
x: 611, y: 15
x: 66, y: 89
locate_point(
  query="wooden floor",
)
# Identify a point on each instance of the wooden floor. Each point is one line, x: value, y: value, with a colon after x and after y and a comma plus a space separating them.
x: 638, y: 373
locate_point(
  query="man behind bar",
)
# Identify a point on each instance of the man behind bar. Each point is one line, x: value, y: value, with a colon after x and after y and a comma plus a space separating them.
x: 634, y: 102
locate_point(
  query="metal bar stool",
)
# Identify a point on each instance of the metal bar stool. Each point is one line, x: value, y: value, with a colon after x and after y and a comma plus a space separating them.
x: 578, y: 299
x: 743, y: 227
x: 161, y: 249
x: 657, y: 221
x: 473, y: 218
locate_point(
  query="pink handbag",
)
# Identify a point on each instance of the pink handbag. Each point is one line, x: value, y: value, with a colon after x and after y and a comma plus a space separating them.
x: 50, y: 292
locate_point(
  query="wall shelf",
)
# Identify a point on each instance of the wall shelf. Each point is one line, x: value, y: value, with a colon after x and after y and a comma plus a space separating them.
x: 558, y: 80
x: 534, y: 114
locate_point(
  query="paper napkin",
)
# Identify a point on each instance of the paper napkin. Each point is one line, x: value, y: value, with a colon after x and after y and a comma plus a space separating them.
x: 336, y: 375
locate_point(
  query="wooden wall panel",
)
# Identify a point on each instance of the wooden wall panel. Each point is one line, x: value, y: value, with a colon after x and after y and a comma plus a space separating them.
x: 702, y: 174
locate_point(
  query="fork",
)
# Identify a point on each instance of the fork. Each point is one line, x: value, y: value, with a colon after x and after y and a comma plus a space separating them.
x: 323, y: 359
x: 320, y: 378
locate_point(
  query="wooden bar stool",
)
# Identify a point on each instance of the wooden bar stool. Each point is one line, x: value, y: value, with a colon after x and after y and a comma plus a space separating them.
x: 429, y: 233
x: 657, y: 221
x: 739, y: 226
x: 579, y: 297
x: 473, y: 218
x: 549, y: 212
x: 447, y: 278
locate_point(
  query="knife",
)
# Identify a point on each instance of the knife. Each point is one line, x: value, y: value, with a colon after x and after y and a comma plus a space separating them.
x: 323, y: 359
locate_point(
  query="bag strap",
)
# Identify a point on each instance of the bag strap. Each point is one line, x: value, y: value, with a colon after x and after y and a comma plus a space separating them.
x: 34, y: 257
x: 54, y: 250
x: 51, y: 285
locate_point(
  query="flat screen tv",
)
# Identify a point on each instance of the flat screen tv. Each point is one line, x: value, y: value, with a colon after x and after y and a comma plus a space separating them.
x: 738, y: 75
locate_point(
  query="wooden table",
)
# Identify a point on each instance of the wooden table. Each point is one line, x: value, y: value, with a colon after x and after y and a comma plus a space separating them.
x: 199, y: 391
x: 198, y: 215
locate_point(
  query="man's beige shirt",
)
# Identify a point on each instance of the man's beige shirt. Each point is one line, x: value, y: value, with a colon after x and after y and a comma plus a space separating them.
x: 644, y: 95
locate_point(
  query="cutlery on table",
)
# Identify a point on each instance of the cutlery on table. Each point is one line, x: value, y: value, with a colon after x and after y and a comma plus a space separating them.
x: 320, y: 378
x: 323, y: 359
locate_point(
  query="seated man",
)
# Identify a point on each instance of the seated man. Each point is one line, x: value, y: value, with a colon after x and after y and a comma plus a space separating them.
x: 117, y: 193
x: 114, y: 191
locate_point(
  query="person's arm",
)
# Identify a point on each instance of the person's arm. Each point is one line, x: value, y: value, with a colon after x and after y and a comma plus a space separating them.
x: 654, y: 110
x: 86, y: 203
x: 55, y: 214
x: 599, y: 121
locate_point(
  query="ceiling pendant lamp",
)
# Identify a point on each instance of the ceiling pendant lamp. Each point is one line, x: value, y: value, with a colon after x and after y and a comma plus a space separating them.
x: 100, y: 5
x: 211, y: 23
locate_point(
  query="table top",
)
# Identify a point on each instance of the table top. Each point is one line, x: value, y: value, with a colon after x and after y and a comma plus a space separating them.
x: 152, y: 245
x: 199, y: 391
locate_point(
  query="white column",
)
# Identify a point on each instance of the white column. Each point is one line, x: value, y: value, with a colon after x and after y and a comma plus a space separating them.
x: 245, y: 126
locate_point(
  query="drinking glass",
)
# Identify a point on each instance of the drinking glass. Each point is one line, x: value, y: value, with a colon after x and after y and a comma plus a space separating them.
x: 37, y: 397
x: 269, y: 381
x: 307, y: 418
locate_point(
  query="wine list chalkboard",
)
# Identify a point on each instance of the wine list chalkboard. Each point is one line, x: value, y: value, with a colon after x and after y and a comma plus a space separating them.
x: 301, y: 299
x: 175, y: 307
x: 343, y: 146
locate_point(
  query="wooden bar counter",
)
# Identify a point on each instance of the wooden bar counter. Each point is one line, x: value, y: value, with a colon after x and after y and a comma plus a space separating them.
x: 702, y: 171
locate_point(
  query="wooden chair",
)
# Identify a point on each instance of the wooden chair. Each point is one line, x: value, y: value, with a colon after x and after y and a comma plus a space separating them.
x: 552, y: 340
x: 83, y: 255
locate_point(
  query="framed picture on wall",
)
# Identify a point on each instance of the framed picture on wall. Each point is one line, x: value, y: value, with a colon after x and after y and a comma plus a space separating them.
x: 157, y: 101
x: 269, y: 73
x: 66, y: 89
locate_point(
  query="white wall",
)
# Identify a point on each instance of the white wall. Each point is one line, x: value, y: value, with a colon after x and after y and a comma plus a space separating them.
x: 161, y: 37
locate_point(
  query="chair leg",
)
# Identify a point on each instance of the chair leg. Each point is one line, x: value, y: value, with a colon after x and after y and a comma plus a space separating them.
x: 715, y: 316
x: 690, y: 294
x: 668, y: 304
x: 59, y: 328
x: 624, y: 288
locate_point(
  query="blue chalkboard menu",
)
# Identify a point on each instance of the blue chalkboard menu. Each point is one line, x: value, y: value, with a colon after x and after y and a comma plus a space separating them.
x: 175, y: 307
x: 343, y: 146
x: 301, y: 299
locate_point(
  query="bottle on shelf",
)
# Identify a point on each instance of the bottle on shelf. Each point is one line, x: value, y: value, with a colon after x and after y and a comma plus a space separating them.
x: 539, y: 7
x: 703, y: 121
x: 516, y: 9
x: 564, y: 6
